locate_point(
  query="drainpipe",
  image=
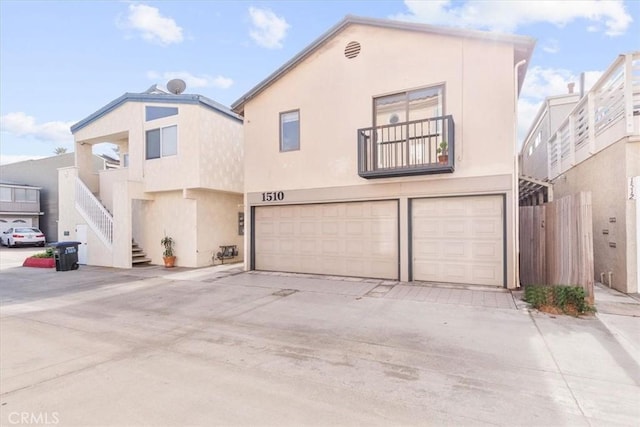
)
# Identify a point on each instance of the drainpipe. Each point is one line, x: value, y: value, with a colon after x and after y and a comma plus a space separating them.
x: 516, y: 174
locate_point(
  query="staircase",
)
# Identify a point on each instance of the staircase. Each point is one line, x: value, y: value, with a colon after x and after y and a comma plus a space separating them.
x: 138, y: 256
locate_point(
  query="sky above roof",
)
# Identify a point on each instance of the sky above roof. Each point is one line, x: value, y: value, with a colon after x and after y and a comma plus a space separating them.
x: 60, y: 61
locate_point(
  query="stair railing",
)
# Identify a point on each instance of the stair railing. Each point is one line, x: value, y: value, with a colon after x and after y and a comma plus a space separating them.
x: 96, y: 215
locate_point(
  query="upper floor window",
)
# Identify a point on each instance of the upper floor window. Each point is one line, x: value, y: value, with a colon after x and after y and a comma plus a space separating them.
x: 153, y: 113
x: 410, y: 105
x: 290, y: 130
x: 25, y: 195
x: 162, y: 142
x: 5, y: 194
x: 538, y: 138
x: 530, y: 151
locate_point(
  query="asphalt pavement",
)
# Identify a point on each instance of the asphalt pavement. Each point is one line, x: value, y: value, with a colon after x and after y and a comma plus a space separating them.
x: 218, y: 346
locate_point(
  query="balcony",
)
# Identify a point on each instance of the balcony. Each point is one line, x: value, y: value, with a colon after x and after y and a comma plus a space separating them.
x: 608, y: 112
x: 418, y: 147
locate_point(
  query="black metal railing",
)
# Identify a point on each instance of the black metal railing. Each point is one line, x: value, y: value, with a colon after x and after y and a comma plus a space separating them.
x: 418, y: 147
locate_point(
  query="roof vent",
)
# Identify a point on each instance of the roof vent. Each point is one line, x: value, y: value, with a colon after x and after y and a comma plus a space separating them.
x: 352, y: 50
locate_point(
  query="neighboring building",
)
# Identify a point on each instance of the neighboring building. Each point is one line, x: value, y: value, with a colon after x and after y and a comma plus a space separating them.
x: 43, y: 173
x: 534, y: 156
x: 180, y: 176
x: 596, y: 148
x: 19, y: 205
x: 342, y: 174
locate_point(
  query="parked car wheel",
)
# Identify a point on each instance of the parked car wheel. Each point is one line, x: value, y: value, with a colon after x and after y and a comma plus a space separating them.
x: 11, y: 244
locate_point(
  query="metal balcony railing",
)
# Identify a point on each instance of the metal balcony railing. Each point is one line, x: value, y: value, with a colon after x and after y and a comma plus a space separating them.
x: 418, y: 147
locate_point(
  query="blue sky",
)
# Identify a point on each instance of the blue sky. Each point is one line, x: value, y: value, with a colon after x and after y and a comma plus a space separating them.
x: 62, y: 60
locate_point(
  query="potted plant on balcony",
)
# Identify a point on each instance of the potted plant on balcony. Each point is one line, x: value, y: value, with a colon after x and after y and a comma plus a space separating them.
x: 167, y: 255
x: 443, y: 153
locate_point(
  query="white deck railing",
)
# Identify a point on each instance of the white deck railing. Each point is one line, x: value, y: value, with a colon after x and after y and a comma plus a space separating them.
x: 94, y: 213
x: 610, y: 111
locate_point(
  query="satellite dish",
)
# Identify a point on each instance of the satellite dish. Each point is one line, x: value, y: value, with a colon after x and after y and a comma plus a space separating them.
x: 176, y: 86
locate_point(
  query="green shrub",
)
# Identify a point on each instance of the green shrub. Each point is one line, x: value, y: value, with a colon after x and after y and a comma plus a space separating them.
x: 568, y: 299
x: 48, y: 253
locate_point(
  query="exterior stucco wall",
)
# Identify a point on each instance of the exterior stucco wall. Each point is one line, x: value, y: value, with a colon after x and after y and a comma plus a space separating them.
x: 209, y: 147
x: 217, y: 224
x: 172, y: 215
x: 335, y: 98
x: 606, y: 176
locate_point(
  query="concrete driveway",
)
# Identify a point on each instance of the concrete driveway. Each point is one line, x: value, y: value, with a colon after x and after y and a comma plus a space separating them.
x: 214, y: 346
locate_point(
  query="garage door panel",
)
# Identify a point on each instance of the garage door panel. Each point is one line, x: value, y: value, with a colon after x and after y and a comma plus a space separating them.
x: 458, y: 240
x: 350, y: 239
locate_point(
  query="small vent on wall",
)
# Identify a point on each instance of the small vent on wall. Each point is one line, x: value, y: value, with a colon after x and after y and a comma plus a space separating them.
x: 352, y: 50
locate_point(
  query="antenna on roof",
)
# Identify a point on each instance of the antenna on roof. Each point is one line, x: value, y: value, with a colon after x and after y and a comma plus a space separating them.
x: 176, y: 86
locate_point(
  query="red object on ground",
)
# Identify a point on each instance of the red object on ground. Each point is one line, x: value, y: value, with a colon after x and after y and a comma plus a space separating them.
x: 39, y: 262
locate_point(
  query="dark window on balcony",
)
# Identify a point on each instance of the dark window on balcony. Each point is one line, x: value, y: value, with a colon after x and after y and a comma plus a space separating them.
x: 408, y: 106
x: 290, y: 130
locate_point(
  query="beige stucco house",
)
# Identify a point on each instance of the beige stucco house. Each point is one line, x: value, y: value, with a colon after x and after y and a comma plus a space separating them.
x: 596, y: 148
x: 180, y: 175
x: 342, y: 170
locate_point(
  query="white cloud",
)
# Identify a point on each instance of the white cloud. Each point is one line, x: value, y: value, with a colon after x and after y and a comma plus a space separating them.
x: 269, y: 30
x: 506, y: 16
x: 191, y: 80
x: 152, y: 26
x: 543, y: 82
x: 23, y: 125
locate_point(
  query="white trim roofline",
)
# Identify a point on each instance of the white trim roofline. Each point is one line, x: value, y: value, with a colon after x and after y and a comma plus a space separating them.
x: 156, y: 98
x: 523, y: 47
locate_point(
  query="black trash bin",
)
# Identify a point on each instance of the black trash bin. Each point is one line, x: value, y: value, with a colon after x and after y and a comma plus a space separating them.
x: 66, y: 255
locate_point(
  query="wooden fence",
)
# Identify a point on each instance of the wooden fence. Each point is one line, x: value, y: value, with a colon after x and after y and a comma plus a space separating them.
x: 556, y: 243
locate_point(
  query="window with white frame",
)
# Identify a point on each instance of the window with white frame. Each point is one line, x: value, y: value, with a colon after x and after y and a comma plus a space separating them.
x: 538, y: 138
x: 5, y: 194
x: 162, y: 142
x: 290, y: 130
x: 25, y: 195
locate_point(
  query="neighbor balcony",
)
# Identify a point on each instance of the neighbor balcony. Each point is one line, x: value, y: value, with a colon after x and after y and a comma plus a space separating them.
x: 418, y: 147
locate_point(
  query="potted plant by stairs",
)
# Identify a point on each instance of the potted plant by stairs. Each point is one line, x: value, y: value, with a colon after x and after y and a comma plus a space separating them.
x: 167, y: 255
x: 443, y: 153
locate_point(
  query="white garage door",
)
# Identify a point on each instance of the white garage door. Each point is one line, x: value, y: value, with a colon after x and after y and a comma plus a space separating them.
x: 458, y: 240
x: 7, y: 223
x: 345, y: 239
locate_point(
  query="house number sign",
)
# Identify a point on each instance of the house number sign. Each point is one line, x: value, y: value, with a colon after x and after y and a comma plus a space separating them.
x: 273, y: 196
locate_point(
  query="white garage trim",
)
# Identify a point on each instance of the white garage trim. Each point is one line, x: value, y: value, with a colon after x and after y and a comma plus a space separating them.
x: 358, y: 239
x: 458, y: 239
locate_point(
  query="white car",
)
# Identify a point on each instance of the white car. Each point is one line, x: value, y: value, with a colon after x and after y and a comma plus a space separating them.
x: 22, y: 236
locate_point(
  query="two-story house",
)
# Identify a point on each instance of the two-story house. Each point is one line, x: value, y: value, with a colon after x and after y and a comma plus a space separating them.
x: 19, y: 205
x: 387, y: 150
x: 180, y: 176
x: 596, y: 148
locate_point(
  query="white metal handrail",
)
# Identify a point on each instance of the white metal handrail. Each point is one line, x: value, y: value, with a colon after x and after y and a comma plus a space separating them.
x: 96, y: 215
x: 605, y: 105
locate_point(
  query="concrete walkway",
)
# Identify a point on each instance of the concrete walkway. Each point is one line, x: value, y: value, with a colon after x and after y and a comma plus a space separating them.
x: 210, y: 346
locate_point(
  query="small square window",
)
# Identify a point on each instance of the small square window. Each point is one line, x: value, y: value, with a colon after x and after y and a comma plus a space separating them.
x: 290, y: 131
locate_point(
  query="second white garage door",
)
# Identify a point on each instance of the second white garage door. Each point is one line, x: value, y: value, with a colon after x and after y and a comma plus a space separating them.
x: 347, y: 239
x: 458, y: 240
